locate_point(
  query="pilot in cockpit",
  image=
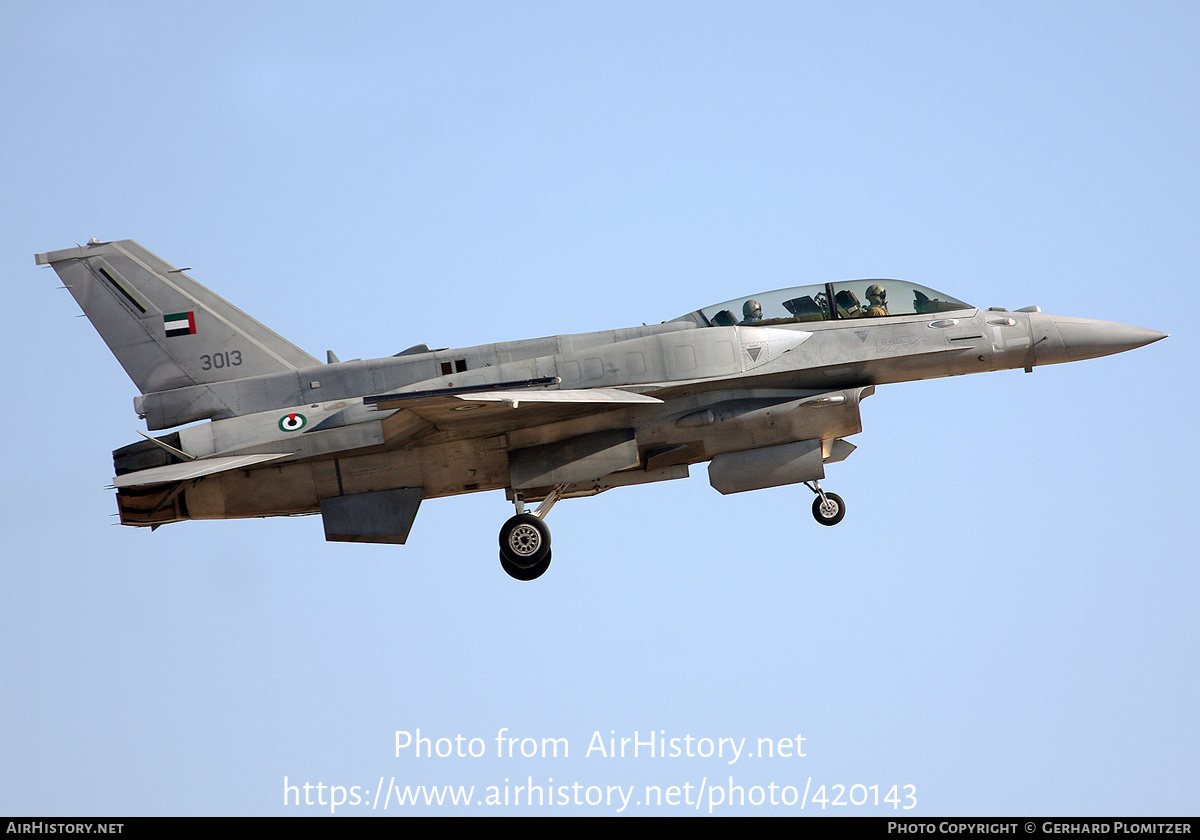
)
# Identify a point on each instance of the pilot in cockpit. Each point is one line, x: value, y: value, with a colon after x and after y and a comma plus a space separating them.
x: 751, y: 312
x: 877, y: 301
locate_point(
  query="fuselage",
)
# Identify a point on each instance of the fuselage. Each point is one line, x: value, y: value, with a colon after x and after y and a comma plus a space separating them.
x: 723, y: 389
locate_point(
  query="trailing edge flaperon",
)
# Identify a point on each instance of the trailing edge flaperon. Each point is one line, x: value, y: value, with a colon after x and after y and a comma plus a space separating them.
x: 765, y: 388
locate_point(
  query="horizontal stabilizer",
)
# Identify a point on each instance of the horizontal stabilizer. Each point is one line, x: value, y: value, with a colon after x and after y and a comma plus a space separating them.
x: 192, y: 469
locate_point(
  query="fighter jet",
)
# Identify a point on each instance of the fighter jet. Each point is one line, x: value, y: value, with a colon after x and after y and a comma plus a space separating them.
x: 765, y: 388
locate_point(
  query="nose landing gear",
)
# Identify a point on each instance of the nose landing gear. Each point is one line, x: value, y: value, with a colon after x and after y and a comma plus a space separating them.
x: 828, y: 508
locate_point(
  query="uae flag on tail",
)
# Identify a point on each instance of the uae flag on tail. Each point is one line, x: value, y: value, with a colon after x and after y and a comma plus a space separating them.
x: 181, y: 323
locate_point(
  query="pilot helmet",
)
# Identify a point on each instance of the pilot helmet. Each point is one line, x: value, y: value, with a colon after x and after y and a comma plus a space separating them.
x: 752, y: 310
x: 876, y: 291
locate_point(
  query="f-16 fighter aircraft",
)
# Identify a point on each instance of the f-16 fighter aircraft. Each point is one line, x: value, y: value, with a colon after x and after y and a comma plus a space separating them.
x: 765, y: 388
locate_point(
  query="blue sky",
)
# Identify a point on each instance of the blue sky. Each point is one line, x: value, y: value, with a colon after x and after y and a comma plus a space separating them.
x: 1006, y: 618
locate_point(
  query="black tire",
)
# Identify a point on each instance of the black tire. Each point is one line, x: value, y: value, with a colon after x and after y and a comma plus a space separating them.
x: 530, y: 573
x: 524, y: 540
x: 830, y: 514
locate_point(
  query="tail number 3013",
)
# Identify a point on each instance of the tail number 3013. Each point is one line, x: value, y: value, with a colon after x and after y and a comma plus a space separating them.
x: 216, y: 361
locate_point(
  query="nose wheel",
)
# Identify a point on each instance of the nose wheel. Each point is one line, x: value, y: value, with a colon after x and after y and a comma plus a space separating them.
x: 828, y: 508
x: 525, y: 539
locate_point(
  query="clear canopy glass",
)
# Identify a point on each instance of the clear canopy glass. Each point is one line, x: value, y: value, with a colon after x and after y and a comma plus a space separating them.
x: 827, y: 302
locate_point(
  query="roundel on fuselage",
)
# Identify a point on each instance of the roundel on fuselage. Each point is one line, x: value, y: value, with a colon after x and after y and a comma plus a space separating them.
x: 292, y: 422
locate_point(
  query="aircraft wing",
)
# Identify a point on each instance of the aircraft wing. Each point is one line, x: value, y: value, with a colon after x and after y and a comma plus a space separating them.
x: 191, y: 469
x: 494, y: 411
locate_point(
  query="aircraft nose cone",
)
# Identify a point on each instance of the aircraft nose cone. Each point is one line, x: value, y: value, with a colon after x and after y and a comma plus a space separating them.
x: 1084, y: 338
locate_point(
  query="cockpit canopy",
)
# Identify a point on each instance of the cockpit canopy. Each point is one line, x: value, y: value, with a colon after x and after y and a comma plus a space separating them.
x: 827, y: 302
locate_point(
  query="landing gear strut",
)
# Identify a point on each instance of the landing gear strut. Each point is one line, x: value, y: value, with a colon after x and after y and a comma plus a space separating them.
x: 525, y: 539
x: 828, y: 508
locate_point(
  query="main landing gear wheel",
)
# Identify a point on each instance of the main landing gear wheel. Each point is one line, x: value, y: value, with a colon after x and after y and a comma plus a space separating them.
x: 525, y: 542
x: 519, y: 573
x: 829, y: 510
x: 525, y: 538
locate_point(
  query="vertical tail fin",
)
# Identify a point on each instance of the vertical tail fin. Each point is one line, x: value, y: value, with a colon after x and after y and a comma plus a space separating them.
x: 165, y: 329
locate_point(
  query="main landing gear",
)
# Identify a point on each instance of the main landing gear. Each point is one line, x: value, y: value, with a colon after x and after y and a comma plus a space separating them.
x: 828, y: 508
x: 525, y: 539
